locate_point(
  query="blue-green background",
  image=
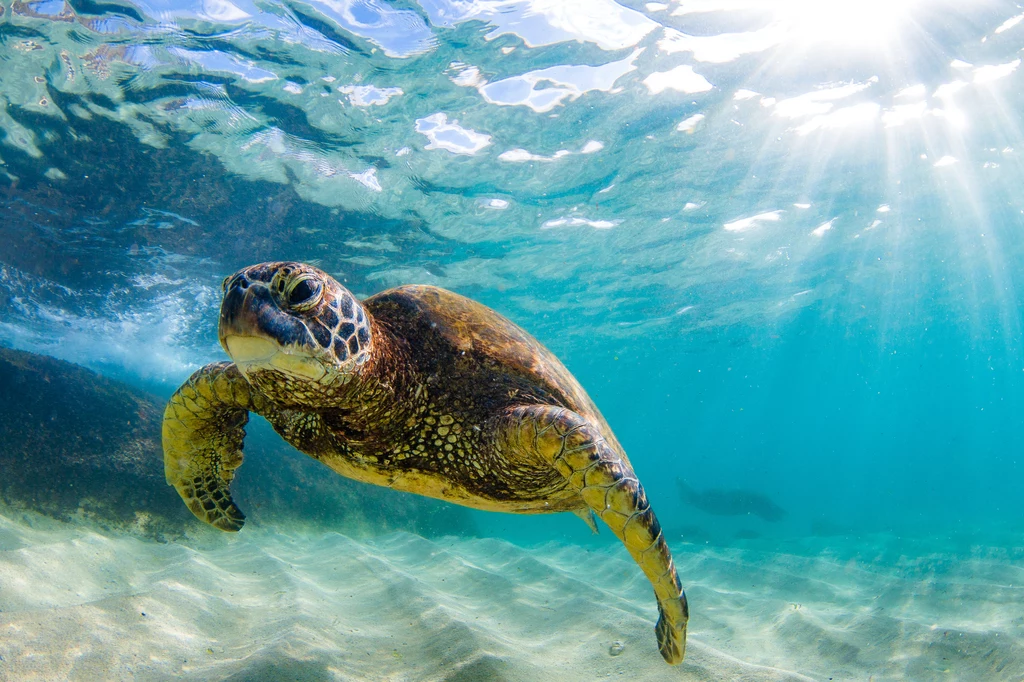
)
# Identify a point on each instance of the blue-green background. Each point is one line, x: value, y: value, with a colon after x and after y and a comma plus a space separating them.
x: 866, y: 377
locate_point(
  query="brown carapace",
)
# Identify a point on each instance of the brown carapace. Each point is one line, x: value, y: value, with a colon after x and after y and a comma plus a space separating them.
x: 417, y: 389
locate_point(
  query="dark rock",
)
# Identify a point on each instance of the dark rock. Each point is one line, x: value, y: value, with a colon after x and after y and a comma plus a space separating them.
x: 73, y: 442
x: 76, y: 444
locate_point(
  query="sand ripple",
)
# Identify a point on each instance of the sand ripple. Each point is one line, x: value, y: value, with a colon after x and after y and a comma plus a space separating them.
x: 272, y: 605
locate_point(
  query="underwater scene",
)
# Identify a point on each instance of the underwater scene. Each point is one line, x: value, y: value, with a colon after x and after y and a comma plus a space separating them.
x: 561, y: 339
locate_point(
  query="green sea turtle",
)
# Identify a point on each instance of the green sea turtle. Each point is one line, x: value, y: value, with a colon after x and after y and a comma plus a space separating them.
x: 418, y: 389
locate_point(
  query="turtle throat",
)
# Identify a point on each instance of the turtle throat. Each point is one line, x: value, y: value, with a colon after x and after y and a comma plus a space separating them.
x: 254, y: 353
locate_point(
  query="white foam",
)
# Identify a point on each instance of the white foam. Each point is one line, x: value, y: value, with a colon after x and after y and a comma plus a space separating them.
x: 858, y: 114
x: 903, y: 113
x: 688, y: 125
x: 451, y: 137
x: 522, y: 155
x: 912, y: 92
x: 1009, y: 23
x: 369, y: 95
x: 468, y: 77
x: 820, y: 230
x: 577, y: 221
x: 368, y: 179
x: 721, y: 48
x: 682, y: 79
x: 537, y: 23
x: 744, y: 224
x: 947, y: 90
x: 152, y: 334
x: 987, y: 74
x: 544, y: 89
x: 818, y: 102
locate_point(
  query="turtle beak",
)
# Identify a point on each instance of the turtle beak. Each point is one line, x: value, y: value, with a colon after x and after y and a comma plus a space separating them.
x: 257, y: 334
x: 239, y: 310
x: 249, y: 310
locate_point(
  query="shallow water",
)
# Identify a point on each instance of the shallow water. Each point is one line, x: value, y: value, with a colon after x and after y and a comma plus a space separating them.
x: 778, y: 243
x: 273, y: 604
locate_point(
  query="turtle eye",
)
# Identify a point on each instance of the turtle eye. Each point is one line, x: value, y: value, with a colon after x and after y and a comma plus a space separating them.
x: 305, y: 294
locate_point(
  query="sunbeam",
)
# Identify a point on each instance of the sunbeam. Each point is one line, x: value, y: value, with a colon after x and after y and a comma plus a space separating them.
x: 846, y: 23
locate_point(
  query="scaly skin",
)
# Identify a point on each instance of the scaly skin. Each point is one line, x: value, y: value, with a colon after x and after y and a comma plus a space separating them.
x: 203, y: 430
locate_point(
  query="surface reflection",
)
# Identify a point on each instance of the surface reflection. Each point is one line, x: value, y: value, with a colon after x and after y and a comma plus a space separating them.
x: 508, y: 141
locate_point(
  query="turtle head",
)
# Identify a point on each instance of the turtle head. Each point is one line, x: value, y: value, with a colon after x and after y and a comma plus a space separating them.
x: 295, y: 333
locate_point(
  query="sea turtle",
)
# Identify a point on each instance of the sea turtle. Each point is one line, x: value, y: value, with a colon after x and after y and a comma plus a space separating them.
x: 418, y: 389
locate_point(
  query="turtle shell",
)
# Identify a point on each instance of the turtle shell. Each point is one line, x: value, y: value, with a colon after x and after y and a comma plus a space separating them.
x: 478, y: 354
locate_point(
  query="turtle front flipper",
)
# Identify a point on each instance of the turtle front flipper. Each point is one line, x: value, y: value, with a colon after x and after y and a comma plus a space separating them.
x: 606, y: 482
x: 203, y: 430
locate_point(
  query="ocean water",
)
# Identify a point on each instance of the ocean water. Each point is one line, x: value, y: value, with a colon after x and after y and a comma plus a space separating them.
x: 779, y: 243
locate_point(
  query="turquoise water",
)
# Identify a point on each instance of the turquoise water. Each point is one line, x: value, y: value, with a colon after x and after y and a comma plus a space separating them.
x: 778, y: 242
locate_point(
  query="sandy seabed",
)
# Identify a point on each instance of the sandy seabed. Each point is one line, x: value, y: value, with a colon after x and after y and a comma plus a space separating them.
x: 271, y: 604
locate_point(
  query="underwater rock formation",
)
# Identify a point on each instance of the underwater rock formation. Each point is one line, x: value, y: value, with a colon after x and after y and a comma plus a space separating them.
x: 73, y: 442
x: 76, y: 444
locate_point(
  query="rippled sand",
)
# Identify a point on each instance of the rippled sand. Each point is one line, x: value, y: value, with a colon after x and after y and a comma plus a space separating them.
x: 271, y: 605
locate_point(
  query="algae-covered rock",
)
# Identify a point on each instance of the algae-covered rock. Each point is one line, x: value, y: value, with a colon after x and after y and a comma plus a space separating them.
x: 76, y: 444
x: 73, y: 442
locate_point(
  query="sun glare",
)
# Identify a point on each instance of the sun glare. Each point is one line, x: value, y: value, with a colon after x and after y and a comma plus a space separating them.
x: 856, y: 23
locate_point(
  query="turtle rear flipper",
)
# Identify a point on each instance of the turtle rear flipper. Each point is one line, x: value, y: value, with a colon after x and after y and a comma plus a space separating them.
x: 587, y: 517
x: 203, y: 431
x: 606, y: 482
